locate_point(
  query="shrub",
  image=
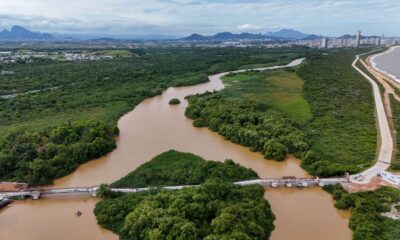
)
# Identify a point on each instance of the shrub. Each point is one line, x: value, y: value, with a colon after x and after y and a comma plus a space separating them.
x: 174, y: 101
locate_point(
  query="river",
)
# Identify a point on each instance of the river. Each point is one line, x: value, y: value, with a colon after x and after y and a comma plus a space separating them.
x: 151, y: 128
x: 388, y: 63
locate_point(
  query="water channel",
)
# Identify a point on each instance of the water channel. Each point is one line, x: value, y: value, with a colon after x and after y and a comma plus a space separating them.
x: 148, y: 130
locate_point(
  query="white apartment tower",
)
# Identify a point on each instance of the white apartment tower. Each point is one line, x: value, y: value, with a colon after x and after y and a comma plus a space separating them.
x: 378, y: 41
x: 324, y: 43
x: 358, y: 38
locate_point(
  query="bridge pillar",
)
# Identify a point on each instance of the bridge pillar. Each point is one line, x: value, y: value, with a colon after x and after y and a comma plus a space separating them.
x: 35, y: 195
x: 94, y: 193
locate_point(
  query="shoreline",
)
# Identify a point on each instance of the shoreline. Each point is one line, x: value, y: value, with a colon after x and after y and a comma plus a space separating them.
x: 373, y: 64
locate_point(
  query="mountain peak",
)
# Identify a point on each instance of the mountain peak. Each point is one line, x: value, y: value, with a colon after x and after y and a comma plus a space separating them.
x: 17, y: 28
x: 288, y: 33
x: 21, y: 33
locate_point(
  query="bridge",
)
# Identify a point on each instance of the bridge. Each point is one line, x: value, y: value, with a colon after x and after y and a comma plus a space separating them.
x: 290, y: 182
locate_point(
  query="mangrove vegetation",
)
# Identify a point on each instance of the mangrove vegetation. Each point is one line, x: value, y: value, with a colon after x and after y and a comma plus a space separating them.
x: 47, y: 95
x: 342, y: 131
x: 216, y: 209
x: 367, y: 221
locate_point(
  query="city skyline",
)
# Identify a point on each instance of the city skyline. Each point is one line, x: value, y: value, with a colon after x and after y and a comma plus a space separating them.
x: 182, y: 17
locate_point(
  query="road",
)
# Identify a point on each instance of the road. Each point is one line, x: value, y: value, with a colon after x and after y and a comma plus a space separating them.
x: 386, y: 141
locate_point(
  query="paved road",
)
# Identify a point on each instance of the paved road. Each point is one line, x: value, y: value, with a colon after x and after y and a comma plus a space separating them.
x: 386, y: 141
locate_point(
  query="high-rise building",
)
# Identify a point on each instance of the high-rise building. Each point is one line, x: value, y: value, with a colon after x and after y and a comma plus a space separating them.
x: 378, y: 41
x: 324, y: 43
x: 358, y: 38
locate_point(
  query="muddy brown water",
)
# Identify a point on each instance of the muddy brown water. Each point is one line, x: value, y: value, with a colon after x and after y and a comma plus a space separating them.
x: 150, y: 129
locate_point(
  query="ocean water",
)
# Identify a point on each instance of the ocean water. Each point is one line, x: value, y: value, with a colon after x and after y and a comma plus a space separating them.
x: 388, y: 63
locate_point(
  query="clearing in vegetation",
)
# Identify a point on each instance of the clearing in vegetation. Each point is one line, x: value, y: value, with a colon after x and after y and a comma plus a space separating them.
x: 280, y: 88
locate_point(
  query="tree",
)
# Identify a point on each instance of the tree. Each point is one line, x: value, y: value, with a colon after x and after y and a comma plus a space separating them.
x: 275, y: 150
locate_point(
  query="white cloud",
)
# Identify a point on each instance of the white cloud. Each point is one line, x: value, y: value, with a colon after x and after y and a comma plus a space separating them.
x: 248, y: 27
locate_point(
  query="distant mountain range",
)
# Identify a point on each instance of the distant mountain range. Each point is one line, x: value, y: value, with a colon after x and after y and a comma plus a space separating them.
x: 348, y: 36
x: 227, y: 36
x: 20, y: 33
x: 281, y: 35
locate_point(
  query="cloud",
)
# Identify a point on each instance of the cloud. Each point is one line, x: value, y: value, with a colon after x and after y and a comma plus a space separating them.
x: 248, y: 27
x: 181, y: 17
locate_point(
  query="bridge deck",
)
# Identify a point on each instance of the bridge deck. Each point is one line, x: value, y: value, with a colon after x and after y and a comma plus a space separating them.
x: 35, y: 193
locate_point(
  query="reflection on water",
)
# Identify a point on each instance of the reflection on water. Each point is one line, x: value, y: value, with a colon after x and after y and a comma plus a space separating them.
x: 150, y: 129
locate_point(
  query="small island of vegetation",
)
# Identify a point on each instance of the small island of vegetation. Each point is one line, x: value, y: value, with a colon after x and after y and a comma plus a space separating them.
x: 216, y: 209
x: 174, y: 101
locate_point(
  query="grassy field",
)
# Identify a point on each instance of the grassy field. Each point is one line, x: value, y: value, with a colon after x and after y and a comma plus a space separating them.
x: 115, y: 53
x: 281, y: 88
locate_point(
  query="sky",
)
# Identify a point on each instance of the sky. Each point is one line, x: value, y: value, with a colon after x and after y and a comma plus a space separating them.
x: 183, y: 17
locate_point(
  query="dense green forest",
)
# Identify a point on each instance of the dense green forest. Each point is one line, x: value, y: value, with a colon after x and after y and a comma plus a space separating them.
x: 249, y: 123
x: 177, y: 168
x: 366, y: 208
x: 396, y: 125
x: 216, y: 209
x: 342, y: 132
x: 82, y: 92
x: 38, y: 157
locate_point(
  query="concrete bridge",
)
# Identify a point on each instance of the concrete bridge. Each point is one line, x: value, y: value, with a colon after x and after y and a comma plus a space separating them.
x: 290, y: 182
